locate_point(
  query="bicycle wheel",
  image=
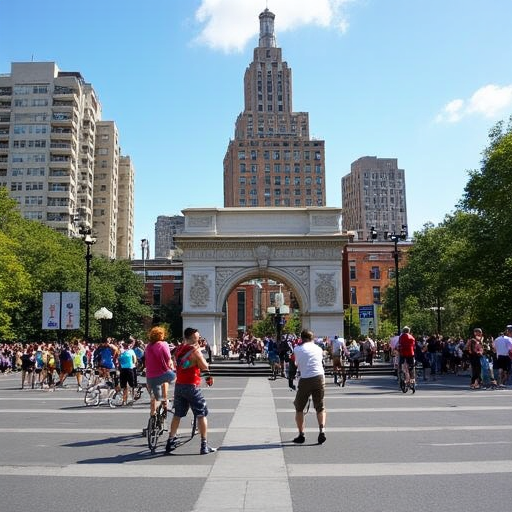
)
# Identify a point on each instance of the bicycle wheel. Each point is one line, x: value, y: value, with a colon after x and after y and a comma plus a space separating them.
x: 137, y: 393
x: 92, y: 397
x: 403, y: 385
x: 152, y: 433
x: 116, y: 399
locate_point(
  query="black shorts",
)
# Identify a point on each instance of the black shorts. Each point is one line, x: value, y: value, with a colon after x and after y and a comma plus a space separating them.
x: 410, y: 360
x: 504, y: 363
x: 127, y: 377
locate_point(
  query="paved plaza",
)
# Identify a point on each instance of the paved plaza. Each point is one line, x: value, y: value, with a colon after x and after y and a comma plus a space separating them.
x: 445, y: 448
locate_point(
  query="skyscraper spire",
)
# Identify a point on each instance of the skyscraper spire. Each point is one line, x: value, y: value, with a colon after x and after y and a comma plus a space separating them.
x: 272, y: 161
x: 267, y: 37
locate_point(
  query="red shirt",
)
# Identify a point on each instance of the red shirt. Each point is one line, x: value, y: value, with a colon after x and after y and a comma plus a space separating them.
x: 186, y: 374
x: 407, y: 344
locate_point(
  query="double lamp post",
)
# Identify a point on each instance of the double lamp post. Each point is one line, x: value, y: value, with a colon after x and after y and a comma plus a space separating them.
x: 394, y: 237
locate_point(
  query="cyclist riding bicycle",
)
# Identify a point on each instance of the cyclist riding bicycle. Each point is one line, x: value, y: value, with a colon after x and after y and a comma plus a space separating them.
x: 159, y: 367
x: 104, y: 358
x: 406, y: 348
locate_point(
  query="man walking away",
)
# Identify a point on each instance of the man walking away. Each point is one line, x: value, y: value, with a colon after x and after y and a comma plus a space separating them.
x: 503, y: 349
x: 309, y: 358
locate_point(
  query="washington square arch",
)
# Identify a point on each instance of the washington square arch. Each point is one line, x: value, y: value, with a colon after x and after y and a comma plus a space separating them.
x: 300, y: 247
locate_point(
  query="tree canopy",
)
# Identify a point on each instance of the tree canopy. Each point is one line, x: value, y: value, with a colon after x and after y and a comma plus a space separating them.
x: 35, y: 259
x: 464, y: 264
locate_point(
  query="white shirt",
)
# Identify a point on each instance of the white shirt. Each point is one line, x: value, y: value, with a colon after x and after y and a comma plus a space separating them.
x: 393, y: 342
x: 338, y: 347
x: 308, y: 358
x: 502, y: 345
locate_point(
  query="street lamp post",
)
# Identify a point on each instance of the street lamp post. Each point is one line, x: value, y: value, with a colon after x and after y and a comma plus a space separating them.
x: 89, y: 240
x: 103, y: 315
x: 396, y: 237
x: 438, y: 309
x: 279, y: 310
x: 144, y: 247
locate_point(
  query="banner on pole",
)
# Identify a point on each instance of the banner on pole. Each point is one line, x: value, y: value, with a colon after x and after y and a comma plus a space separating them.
x: 61, y: 310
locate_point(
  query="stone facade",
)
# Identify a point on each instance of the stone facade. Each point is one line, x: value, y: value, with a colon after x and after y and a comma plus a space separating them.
x: 299, y: 247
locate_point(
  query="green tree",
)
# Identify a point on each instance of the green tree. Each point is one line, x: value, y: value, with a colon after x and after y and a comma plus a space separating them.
x: 35, y: 259
x: 293, y: 324
x: 263, y: 327
x: 464, y: 264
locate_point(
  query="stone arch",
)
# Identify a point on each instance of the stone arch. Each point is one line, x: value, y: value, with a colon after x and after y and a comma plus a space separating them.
x: 252, y: 273
x: 301, y: 247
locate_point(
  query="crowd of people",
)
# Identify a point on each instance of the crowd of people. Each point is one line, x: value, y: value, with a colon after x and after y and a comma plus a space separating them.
x: 488, y: 359
x: 48, y: 365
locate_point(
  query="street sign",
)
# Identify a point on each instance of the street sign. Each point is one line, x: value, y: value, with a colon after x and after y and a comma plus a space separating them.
x: 368, y: 319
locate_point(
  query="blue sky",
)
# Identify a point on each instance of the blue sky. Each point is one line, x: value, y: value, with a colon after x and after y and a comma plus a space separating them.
x: 418, y: 80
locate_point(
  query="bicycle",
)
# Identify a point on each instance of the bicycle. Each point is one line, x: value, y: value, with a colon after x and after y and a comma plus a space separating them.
x: 156, y: 427
x: 403, y: 385
x: 103, y: 393
x: 137, y: 392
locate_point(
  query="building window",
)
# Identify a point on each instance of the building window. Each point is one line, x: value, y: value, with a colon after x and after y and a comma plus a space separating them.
x: 353, y: 272
x: 157, y: 295
x: 353, y: 295
x: 375, y: 273
x: 376, y: 294
x: 240, y: 309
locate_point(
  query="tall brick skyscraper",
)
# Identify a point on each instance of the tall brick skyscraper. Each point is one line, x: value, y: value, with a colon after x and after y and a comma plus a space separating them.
x: 272, y: 161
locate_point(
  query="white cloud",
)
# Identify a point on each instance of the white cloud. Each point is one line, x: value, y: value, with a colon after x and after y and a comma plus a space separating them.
x: 488, y: 101
x: 452, y: 112
x: 228, y: 25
